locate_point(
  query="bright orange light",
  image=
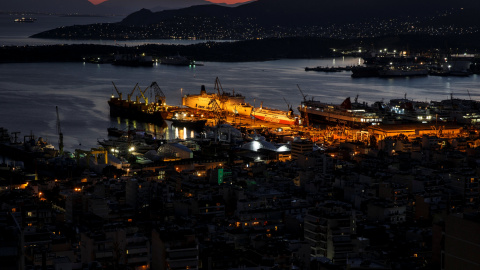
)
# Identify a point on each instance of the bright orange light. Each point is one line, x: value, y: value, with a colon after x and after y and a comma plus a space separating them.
x: 84, y: 180
x: 96, y: 2
x: 228, y: 1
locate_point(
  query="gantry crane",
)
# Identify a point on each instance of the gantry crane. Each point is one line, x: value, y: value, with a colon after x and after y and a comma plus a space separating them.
x: 60, y: 134
x: 159, y: 95
x: 218, y: 112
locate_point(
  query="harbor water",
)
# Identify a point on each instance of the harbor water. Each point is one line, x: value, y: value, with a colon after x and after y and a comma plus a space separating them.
x: 29, y: 92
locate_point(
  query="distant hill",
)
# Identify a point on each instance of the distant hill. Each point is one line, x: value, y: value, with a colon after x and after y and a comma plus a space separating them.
x: 50, y: 6
x: 308, y: 12
x: 129, y: 6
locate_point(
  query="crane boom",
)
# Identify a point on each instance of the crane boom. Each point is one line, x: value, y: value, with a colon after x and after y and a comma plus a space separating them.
x: 142, y: 93
x: 301, y: 92
x: 304, y: 105
x: 60, y: 134
x: 129, y: 96
x: 159, y: 95
x: 118, y: 92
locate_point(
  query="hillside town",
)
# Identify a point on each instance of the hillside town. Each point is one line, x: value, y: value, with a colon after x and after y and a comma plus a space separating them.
x: 245, y: 196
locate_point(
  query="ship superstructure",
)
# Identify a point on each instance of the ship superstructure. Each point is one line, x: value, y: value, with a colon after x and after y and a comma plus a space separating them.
x: 228, y: 102
x: 319, y: 112
x: 151, y: 112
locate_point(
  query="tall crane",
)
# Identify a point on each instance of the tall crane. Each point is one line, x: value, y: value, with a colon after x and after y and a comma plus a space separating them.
x: 222, y: 98
x: 220, y: 116
x: 118, y: 92
x: 60, y: 134
x: 159, y: 95
x: 305, y: 114
x: 129, y: 96
x: 142, y: 93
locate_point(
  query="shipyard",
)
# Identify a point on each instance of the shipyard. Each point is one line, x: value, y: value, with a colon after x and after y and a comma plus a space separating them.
x: 244, y: 135
x: 234, y: 146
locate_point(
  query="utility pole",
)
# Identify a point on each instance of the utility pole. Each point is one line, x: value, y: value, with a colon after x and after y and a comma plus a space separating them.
x: 60, y: 135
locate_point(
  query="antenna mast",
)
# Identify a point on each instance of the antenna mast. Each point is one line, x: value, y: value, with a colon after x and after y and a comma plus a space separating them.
x: 60, y: 134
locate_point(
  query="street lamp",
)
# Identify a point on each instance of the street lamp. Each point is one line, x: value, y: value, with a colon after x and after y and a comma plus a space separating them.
x: 181, y: 95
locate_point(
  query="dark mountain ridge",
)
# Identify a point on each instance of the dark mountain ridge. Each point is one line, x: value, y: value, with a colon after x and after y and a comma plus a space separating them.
x: 308, y: 12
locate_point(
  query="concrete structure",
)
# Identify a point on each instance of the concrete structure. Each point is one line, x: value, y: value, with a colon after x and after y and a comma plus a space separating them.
x: 329, y: 228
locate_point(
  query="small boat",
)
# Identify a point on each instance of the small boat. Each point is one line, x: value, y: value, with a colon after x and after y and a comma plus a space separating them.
x: 177, y: 60
x: 185, y: 119
x: 115, y: 132
x: 23, y: 19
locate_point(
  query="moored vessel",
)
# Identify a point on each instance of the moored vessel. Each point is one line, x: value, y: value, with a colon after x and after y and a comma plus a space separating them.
x: 23, y: 19
x: 149, y: 112
x: 133, y: 60
x: 313, y: 111
x: 275, y: 116
x: 228, y: 102
x: 403, y: 71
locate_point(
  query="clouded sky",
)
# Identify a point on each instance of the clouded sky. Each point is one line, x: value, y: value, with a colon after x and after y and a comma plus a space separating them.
x: 213, y: 1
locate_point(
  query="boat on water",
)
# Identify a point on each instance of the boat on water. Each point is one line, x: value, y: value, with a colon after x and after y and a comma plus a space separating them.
x: 189, y: 123
x: 358, y: 114
x: 150, y: 112
x: 183, y: 118
x: 275, y: 116
x: 133, y: 60
x: 403, y: 71
x: 365, y: 71
x: 115, y: 132
x: 25, y: 20
x: 229, y: 102
x: 178, y: 60
x: 325, y: 69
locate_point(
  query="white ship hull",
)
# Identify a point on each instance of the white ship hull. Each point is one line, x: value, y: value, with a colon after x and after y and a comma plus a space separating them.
x: 274, y: 117
x: 233, y: 104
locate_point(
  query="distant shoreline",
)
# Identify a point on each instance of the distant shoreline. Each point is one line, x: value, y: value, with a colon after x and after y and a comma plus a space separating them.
x: 240, y: 51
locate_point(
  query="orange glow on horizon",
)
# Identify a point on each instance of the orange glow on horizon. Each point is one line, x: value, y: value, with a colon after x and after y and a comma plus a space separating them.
x: 230, y: 2
x: 96, y: 2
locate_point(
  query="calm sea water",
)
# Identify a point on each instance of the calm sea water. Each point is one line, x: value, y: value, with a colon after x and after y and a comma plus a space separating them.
x: 29, y: 92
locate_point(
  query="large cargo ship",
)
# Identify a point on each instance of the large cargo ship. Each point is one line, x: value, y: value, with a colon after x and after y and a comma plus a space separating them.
x: 149, y: 112
x: 228, y: 102
x: 313, y: 111
x: 403, y: 71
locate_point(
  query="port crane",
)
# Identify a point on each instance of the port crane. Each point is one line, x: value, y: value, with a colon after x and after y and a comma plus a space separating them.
x: 221, y: 96
x: 217, y: 111
x: 159, y: 95
x: 305, y: 114
x: 129, y: 96
x: 118, y: 92
x: 142, y: 93
x: 60, y: 134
